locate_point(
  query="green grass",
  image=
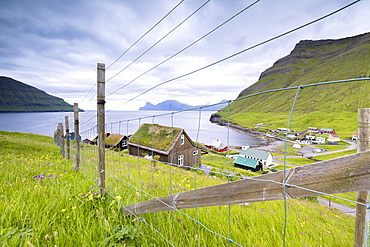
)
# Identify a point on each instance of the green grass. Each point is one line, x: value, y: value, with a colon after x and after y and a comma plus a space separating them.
x: 297, y: 161
x: 281, y: 167
x: 334, y: 155
x: 62, y: 209
x: 349, y: 196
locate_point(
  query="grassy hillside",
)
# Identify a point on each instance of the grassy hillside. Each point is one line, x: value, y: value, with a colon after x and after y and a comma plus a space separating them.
x: 310, y: 62
x: 16, y: 96
x: 44, y: 201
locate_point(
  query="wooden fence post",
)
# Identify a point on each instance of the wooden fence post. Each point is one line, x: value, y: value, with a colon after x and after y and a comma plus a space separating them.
x: 101, y: 122
x: 67, y: 138
x: 77, y: 134
x: 61, y: 138
x: 362, y: 145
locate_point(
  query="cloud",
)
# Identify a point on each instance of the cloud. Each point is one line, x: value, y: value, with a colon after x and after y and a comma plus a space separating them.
x: 55, y: 45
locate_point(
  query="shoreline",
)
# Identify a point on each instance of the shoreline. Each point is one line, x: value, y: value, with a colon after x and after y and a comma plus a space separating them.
x: 272, y: 143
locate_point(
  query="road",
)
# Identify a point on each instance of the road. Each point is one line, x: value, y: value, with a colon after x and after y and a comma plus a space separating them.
x: 308, y: 152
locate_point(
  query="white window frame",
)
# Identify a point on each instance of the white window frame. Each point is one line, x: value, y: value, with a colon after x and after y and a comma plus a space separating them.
x: 182, y: 139
x: 180, y: 160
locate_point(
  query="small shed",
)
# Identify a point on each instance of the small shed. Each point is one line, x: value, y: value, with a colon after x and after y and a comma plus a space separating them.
x: 117, y: 141
x: 172, y: 145
x: 248, y: 164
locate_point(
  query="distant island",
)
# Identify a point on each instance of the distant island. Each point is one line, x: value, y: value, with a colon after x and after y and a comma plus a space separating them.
x: 174, y: 105
x: 16, y: 96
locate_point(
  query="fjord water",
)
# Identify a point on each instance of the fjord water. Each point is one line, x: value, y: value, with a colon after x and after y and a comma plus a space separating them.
x: 195, y: 123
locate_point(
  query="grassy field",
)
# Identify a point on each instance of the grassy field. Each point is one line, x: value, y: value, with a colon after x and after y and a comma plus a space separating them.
x: 46, y: 201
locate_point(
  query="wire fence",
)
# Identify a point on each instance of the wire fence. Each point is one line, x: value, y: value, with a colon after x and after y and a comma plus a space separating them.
x: 158, y: 167
x: 139, y: 176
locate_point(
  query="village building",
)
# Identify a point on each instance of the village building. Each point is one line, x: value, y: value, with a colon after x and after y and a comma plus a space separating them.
x: 313, y: 129
x: 116, y: 141
x: 319, y: 140
x: 217, y: 146
x: 94, y: 141
x: 253, y: 159
x: 355, y: 136
x: 333, y: 138
x: 111, y: 141
x: 283, y: 129
x: 172, y: 145
x: 248, y: 164
x: 72, y: 136
x: 327, y: 131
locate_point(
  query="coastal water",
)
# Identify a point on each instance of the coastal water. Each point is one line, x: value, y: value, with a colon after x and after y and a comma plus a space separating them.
x: 195, y: 123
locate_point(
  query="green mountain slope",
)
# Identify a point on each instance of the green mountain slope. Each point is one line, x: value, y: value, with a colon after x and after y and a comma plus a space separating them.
x: 16, y: 96
x: 322, y: 106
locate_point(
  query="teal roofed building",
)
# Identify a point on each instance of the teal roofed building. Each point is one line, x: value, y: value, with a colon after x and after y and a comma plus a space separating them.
x: 248, y: 163
x: 263, y: 159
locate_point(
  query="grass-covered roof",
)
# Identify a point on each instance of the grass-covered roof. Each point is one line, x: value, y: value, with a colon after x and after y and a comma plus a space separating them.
x: 113, y: 139
x: 155, y: 136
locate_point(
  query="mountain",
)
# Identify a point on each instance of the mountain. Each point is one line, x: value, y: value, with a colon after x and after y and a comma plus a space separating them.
x: 16, y: 96
x: 311, y: 61
x: 174, y: 105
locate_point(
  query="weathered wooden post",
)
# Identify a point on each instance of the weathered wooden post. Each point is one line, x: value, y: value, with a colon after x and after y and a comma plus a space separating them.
x: 61, y: 138
x: 67, y: 137
x: 362, y: 145
x: 77, y: 134
x: 101, y: 122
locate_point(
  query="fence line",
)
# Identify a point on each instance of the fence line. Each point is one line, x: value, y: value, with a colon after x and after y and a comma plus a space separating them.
x: 172, y: 204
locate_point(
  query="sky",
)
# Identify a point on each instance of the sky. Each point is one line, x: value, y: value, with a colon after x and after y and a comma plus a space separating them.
x: 56, y: 45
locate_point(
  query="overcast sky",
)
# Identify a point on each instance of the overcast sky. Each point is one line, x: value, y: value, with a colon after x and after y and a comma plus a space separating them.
x: 56, y: 45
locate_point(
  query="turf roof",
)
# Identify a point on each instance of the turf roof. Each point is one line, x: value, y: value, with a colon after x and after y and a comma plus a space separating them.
x: 155, y: 136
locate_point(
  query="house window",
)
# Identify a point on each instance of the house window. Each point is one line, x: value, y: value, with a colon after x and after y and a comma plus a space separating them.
x: 195, y: 152
x: 181, y: 160
x: 182, y: 141
x: 124, y: 143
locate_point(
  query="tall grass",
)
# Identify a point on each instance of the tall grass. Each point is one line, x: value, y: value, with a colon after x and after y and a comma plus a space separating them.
x: 45, y: 202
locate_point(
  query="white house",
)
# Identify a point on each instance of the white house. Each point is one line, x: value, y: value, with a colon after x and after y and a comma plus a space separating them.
x: 333, y: 138
x: 319, y: 140
x: 262, y: 156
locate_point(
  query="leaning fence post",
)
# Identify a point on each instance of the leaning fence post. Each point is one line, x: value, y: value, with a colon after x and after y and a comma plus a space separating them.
x: 67, y: 137
x: 101, y: 122
x: 61, y: 138
x: 362, y: 145
x: 77, y: 134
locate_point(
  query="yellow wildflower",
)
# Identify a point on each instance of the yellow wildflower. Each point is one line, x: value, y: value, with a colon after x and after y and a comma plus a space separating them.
x: 118, y: 198
x: 63, y: 210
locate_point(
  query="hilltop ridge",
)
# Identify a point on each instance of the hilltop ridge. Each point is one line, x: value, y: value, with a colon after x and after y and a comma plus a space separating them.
x: 16, y: 96
x: 310, y: 61
x: 317, y: 60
